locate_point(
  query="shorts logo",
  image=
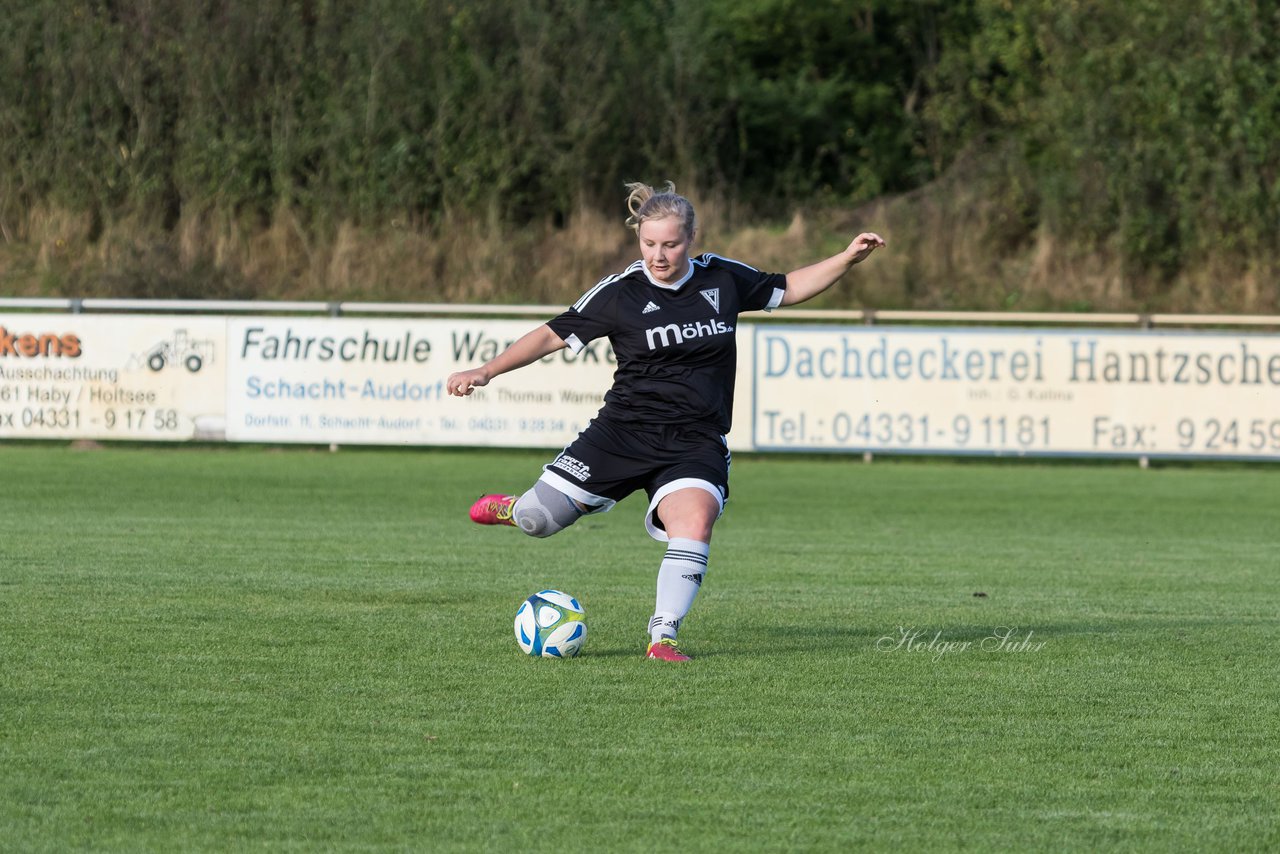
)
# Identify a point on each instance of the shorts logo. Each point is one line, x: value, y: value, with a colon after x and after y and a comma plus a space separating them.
x: 650, y: 307
x: 572, y: 466
x: 712, y: 296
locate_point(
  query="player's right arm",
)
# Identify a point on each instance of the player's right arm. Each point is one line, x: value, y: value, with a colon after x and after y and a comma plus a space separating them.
x: 526, y: 350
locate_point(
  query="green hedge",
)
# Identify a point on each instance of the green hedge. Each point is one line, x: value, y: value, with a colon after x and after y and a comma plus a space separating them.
x: 382, y: 108
x: 1147, y: 128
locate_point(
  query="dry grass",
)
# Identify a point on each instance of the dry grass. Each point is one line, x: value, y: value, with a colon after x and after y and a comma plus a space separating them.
x: 951, y: 245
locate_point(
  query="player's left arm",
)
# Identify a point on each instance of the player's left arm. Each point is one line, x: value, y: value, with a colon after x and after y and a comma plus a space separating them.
x: 807, y: 282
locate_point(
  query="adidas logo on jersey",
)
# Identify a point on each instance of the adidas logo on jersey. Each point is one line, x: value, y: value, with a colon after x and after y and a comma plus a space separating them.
x: 650, y: 307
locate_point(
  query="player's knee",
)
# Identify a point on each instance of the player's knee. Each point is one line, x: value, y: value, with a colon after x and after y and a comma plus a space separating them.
x: 688, y: 513
x: 534, y: 520
x: 545, y: 510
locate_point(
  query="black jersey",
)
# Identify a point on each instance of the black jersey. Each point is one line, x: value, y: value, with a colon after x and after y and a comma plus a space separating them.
x: 675, y: 344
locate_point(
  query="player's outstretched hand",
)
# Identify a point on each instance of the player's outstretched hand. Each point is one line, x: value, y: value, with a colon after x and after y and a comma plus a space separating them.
x: 463, y: 383
x: 864, y: 244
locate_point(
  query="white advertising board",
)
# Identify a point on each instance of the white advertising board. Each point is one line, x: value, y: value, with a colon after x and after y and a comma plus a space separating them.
x: 1024, y: 392
x: 77, y: 376
x: 958, y: 390
x: 381, y: 382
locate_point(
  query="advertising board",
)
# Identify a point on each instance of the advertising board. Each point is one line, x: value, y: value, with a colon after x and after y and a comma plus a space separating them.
x: 76, y: 376
x: 964, y: 390
x: 381, y: 382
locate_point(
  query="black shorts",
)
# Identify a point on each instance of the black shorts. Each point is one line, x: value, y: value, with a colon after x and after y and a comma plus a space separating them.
x: 609, y: 461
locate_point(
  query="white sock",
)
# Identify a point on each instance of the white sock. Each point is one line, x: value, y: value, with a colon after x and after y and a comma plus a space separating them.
x: 679, y: 578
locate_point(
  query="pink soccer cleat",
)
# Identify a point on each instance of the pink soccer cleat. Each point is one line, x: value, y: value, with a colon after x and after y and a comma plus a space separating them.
x: 666, y: 650
x: 494, y: 510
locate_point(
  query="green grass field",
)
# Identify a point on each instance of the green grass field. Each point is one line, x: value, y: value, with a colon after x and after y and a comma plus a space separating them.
x: 214, y: 649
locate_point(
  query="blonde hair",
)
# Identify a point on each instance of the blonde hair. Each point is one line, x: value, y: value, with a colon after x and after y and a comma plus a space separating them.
x: 646, y: 203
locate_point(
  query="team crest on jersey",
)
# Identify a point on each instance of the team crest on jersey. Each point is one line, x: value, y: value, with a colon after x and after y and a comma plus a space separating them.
x: 712, y: 296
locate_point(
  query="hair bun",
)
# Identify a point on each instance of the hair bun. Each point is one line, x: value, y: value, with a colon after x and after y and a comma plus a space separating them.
x: 646, y: 203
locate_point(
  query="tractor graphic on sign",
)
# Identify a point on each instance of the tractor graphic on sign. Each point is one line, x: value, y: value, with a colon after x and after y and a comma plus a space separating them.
x: 181, y: 349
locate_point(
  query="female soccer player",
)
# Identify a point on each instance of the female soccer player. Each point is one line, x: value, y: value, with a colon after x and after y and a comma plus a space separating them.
x: 671, y: 320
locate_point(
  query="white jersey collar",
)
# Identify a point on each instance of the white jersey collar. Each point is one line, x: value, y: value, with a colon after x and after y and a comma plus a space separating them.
x: 674, y: 286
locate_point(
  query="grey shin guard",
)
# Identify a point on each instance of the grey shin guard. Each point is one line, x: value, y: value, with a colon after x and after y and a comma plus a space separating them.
x: 545, y: 510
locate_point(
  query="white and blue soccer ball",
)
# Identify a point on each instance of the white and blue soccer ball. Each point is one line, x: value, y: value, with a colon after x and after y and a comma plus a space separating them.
x: 551, y: 624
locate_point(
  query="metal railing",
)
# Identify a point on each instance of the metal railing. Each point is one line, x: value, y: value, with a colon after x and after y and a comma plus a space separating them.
x: 424, y: 309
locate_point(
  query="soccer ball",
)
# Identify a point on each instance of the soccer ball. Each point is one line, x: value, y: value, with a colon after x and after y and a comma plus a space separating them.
x: 551, y: 624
